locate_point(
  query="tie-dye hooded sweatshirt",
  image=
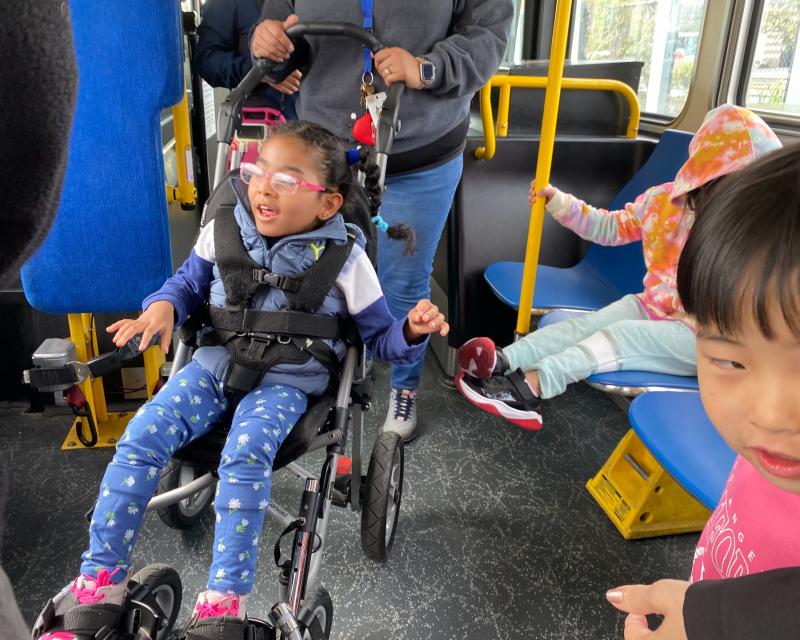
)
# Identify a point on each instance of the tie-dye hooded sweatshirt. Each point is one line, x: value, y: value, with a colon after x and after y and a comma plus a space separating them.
x: 730, y: 138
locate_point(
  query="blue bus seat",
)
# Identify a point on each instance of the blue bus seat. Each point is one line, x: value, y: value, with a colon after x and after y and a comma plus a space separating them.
x: 604, y: 274
x: 626, y: 382
x: 677, y: 431
x: 109, y: 246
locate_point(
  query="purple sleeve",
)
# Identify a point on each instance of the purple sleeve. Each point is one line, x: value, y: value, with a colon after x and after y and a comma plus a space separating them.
x: 383, y: 335
x: 187, y: 289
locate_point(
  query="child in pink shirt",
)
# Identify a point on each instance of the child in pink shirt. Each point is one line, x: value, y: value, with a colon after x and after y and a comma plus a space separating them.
x: 739, y: 279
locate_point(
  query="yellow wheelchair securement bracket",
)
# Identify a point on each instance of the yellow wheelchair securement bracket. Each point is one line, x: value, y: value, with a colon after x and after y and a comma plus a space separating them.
x: 109, y: 425
x: 640, y: 497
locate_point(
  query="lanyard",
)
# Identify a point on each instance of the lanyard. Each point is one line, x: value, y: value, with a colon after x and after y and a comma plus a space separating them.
x: 366, y: 12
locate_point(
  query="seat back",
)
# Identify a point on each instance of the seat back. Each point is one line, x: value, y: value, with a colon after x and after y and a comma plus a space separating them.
x: 109, y: 245
x: 623, y: 267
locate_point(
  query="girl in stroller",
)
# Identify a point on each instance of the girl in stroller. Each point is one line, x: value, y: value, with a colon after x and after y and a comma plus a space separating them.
x: 291, y: 214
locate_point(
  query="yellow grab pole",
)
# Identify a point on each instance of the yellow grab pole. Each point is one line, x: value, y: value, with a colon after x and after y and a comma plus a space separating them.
x: 487, y: 118
x: 503, y: 105
x: 552, y: 95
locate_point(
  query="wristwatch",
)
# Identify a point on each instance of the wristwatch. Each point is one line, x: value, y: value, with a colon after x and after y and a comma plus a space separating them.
x: 427, y: 72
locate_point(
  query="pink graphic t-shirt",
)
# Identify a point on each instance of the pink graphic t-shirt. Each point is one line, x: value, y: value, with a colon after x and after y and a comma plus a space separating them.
x: 755, y: 527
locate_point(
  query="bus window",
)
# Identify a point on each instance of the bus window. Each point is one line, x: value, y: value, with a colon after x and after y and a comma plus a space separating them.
x: 626, y: 30
x: 773, y: 82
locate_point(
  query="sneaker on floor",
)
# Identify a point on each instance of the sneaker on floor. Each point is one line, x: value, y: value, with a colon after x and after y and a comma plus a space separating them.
x: 217, y: 615
x: 479, y: 358
x: 85, y: 603
x: 507, y: 396
x: 402, y: 415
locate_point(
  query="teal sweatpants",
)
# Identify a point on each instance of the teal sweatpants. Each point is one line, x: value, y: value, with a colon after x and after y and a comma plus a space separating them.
x: 618, y: 337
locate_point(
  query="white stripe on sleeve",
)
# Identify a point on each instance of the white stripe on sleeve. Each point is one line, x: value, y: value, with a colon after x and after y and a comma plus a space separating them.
x: 204, y: 247
x: 359, y: 282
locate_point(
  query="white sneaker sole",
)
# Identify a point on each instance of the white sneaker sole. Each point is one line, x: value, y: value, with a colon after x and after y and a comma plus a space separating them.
x: 530, y: 420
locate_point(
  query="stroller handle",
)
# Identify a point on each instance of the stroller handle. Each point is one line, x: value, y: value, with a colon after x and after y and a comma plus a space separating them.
x: 343, y: 29
x: 230, y: 113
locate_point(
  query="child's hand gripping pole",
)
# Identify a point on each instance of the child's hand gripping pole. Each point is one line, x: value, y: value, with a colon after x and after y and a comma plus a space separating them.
x: 552, y: 97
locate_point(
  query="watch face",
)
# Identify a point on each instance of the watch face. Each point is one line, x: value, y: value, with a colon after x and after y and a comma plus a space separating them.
x: 427, y: 71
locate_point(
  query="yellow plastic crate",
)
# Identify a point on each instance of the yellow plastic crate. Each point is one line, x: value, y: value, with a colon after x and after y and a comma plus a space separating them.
x: 640, y: 497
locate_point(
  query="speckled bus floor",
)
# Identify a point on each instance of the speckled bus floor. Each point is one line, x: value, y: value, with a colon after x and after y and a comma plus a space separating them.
x: 497, y: 538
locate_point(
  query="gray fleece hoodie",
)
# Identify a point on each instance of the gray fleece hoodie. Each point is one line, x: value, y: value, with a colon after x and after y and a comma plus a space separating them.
x: 465, y: 39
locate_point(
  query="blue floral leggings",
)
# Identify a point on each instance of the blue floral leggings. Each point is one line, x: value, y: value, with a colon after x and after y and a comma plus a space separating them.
x: 185, y: 409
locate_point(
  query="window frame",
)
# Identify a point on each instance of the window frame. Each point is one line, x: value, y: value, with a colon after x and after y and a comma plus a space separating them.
x: 655, y: 118
x: 749, y: 30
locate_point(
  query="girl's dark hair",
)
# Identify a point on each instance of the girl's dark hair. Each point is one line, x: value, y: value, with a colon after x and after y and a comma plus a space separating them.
x: 360, y: 203
x: 742, y: 256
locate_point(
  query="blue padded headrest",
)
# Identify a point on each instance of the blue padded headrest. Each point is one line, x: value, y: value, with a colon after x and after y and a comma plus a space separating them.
x: 109, y: 245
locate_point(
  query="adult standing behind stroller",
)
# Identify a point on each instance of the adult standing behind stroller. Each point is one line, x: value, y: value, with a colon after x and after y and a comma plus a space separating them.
x: 223, y: 52
x: 444, y: 52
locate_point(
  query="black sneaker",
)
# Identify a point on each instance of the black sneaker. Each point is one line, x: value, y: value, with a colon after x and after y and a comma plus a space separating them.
x: 507, y: 396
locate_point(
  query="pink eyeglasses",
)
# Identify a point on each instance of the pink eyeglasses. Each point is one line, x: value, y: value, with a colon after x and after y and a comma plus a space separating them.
x: 283, y: 183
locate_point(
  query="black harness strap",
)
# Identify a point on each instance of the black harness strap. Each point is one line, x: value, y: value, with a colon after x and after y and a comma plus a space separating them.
x: 258, y: 340
x: 274, y: 323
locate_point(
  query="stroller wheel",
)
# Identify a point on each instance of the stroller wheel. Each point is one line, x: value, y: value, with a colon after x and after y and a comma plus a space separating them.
x: 159, y: 592
x: 316, y: 614
x: 384, y: 489
x: 186, y: 513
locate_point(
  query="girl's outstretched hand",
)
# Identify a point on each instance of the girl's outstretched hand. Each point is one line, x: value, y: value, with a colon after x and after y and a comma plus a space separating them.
x: 159, y: 317
x: 547, y: 193
x: 423, y: 319
x: 663, y: 597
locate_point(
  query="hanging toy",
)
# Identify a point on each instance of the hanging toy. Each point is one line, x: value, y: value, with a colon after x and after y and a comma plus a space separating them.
x: 364, y: 130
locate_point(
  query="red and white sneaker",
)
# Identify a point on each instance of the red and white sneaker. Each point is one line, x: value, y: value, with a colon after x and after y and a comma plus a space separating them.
x: 479, y: 358
x: 507, y: 396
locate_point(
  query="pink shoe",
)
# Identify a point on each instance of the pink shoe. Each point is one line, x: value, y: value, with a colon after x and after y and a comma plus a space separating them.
x: 217, y: 615
x: 209, y: 606
x: 478, y: 358
x: 99, y: 594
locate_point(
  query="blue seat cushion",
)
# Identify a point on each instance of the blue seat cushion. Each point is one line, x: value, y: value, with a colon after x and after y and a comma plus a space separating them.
x: 676, y: 430
x: 556, y: 288
x: 647, y: 379
x: 109, y: 245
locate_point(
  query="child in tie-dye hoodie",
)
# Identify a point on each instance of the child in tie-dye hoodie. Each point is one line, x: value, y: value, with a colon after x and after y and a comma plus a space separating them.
x: 647, y: 331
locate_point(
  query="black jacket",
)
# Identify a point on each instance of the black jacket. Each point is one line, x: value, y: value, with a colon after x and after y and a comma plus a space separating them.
x: 754, y: 607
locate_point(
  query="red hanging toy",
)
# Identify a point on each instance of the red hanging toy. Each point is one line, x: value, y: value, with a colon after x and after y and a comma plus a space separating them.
x: 364, y: 130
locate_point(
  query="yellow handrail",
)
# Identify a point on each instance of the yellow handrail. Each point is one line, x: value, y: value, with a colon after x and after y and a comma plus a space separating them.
x: 552, y: 95
x: 506, y: 82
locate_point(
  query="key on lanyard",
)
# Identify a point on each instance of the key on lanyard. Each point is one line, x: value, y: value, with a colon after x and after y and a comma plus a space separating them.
x: 367, y: 88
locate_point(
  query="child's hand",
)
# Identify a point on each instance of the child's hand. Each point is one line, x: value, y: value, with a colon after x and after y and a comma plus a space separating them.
x: 423, y: 319
x: 547, y: 193
x: 157, y: 318
x: 664, y: 597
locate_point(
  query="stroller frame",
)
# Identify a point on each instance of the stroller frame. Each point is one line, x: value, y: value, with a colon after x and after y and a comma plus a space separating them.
x: 381, y: 488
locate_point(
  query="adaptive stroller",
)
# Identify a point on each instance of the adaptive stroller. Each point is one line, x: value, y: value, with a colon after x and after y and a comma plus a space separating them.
x: 186, y: 488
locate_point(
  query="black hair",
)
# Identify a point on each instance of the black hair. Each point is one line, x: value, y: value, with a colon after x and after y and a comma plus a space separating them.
x: 361, y: 204
x: 742, y: 256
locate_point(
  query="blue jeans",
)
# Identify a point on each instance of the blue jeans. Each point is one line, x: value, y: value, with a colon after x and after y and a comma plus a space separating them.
x: 186, y: 408
x: 421, y: 200
x: 618, y: 337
